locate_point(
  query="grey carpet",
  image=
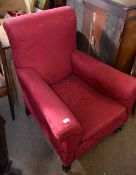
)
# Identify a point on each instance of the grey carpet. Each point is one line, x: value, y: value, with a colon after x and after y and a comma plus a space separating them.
x: 32, y: 154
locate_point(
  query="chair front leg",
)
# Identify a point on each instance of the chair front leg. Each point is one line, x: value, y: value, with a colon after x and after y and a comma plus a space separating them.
x: 28, y: 113
x: 134, y: 109
x: 66, y: 168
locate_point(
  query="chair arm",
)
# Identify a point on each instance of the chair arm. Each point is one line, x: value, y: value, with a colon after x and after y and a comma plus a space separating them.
x: 59, y: 118
x: 105, y: 79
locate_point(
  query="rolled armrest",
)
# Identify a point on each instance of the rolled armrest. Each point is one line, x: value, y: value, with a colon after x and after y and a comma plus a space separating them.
x: 60, y: 120
x: 105, y: 79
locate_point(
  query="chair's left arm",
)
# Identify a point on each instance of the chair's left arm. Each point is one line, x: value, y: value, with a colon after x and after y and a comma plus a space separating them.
x: 105, y: 79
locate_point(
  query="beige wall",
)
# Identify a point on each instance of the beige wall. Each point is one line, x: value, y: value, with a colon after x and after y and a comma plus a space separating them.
x: 6, y: 5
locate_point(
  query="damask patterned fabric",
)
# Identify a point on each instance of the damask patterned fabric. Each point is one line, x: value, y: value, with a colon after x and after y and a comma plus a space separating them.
x: 43, y: 42
x: 76, y: 99
x: 84, y: 102
x: 107, y: 80
x: 50, y: 106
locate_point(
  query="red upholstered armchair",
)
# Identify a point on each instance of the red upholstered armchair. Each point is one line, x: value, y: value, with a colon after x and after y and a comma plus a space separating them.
x: 76, y: 99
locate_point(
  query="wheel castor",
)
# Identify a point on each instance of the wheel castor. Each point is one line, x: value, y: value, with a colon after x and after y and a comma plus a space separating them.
x: 66, y: 168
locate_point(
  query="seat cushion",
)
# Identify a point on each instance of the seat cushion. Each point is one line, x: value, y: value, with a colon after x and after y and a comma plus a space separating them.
x: 92, y: 109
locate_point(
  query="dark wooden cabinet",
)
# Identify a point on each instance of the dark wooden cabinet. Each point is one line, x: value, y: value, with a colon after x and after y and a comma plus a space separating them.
x: 109, y: 32
x: 59, y: 3
x: 4, y: 161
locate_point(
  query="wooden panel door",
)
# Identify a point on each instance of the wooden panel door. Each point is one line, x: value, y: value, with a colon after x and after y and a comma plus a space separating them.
x: 127, y: 51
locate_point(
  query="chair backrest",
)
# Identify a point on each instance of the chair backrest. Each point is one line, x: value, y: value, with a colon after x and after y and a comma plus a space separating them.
x: 44, y: 41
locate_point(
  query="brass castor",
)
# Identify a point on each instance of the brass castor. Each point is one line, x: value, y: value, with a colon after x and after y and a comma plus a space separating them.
x: 66, y: 168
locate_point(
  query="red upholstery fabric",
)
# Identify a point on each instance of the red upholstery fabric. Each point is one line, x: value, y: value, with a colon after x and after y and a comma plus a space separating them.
x: 76, y: 99
x: 50, y: 112
x: 48, y: 105
x: 43, y: 42
x: 105, y: 79
x: 84, y: 102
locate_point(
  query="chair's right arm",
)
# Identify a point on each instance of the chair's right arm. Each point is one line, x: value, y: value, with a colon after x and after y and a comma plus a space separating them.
x: 57, y: 121
x: 107, y: 80
x: 50, y: 107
